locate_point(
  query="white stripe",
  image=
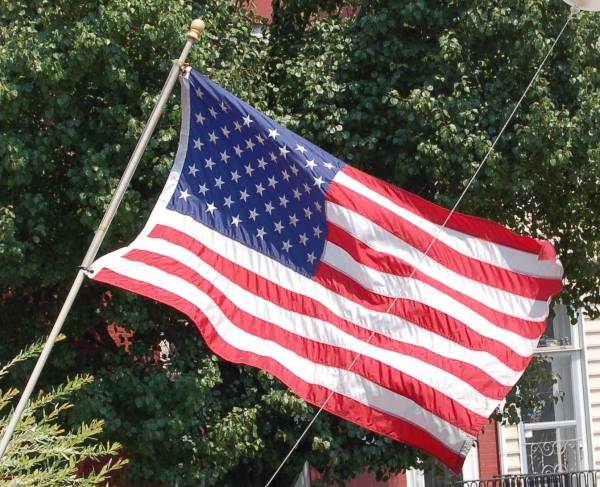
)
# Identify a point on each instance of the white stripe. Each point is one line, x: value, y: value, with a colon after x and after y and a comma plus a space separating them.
x: 492, y: 253
x: 381, y: 240
x: 382, y: 283
x: 326, y: 333
x: 384, y: 323
x: 341, y: 381
x: 173, y: 179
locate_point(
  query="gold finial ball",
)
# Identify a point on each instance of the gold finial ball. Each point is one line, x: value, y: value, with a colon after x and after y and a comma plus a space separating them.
x: 196, y: 29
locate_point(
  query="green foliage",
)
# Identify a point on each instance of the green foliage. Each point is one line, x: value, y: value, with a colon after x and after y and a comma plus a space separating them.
x: 413, y: 92
x: 42, y: 452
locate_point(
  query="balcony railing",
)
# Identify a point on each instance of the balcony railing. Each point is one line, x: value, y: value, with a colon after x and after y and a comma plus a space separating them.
x: 551, y: 457
x: 587, y: 478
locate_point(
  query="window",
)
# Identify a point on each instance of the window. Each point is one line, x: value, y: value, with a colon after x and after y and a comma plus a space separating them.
x: 555, y: 439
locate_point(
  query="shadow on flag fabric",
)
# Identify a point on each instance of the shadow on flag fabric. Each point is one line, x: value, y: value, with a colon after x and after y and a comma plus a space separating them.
x: 288, y: 259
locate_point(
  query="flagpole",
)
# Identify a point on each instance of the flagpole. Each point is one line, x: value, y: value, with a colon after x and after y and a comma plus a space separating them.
x: 196, y: 29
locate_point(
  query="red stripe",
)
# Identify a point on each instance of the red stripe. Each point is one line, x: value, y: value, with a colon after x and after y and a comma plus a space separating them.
x: 472, y: 225
x: 300, y: 303
x: 421, y: 314
x: 489, y: 274
x: 432, y: 399
x: 339, y: 405
x: 364, y: 254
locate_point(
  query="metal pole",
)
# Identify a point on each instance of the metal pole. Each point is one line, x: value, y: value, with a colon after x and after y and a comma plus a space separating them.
x: 193, y: 35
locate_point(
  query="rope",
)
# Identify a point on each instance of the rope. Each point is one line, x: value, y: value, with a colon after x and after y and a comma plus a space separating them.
x: 574, y: 12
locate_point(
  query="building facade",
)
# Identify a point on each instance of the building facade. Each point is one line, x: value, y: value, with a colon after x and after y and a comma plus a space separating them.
x: 565, y: 436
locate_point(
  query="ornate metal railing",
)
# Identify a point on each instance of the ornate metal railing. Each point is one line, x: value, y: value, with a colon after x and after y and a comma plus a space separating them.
x: 587, y: 478
x: 549, y: 457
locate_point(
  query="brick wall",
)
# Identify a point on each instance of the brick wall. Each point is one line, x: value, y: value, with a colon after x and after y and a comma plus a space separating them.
x: 489, y: 455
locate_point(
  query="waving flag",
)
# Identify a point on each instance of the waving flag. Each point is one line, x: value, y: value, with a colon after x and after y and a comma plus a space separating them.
x: 289, y: 260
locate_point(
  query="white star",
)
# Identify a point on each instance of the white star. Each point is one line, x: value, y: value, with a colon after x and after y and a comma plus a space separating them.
x: 307, y: 213
x: 247, y: 120
x: 238, y: 150
x: 184, y: 195
x: 317, y: 231
x: 249, y: 169
x: 272, y: 181
x: 213, y: 112
x: 294, y: 169
x: 311, y: 164
x: 219, y: 182
x: 193, y: 170
x: 319, y: 181
x: 262, y: 163
x: 283, y: 151
x: 261, y: 233
x: 198, y: 144
x: 283, y: 201
x: 224, y: 107
x: 297, y: 193
x: 224, y: 156
x: 228, y: 202
x: 235, y: 177
x: 209, y: 163
x: 237, y: 125
x: 273, y: 156
x: 273, y: 133
x: 300, y: 148
x: 253, y: 214
x: 202, y: 189
x: 260, y: 140
x: 236, y: 220
x: 269, y: 207
x: 199, y: 93
x: 306, y: 188
x: 244, y: 195
x: 200, y: 118
x: 286, y: 246
x: 249, y: 144
x: 303, y: 239
x: 278, y: 226
x: 293, y: 219
x: 310, y: 258
x: 259, y: 188
x: 213, y: 137
x: 210, y: 208
x: 328, y: 165
x: 318, y: 206
x: 225, y: 131
x: 285, y: 175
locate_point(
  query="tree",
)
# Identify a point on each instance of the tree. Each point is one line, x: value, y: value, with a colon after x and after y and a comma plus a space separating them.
x: 410, y: 91
x: 41, y: 452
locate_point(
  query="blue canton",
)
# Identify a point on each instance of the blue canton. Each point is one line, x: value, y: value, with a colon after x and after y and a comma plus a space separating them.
x: 252, y: 180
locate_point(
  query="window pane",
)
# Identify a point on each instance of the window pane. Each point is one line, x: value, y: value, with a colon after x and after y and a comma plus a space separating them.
x: 552, y: 450
x: 563, y: 409
x: 559, y: 331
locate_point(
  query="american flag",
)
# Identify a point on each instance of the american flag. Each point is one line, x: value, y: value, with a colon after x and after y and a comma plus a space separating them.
x: 289, y: 260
